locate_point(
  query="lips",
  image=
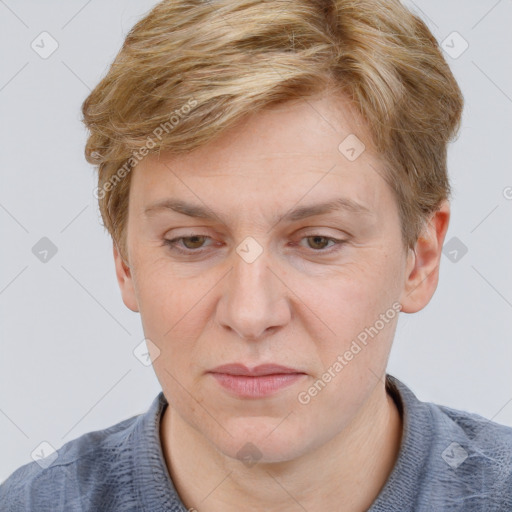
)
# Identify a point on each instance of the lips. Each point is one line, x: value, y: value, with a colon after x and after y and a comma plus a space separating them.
x: 257, y: 371
x: 258, y: 382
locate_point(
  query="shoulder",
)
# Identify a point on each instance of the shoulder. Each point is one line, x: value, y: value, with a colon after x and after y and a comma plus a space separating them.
x: 484, y: 440
x: 474, y: 456
x: 450, y: 459
x: 74, y: 475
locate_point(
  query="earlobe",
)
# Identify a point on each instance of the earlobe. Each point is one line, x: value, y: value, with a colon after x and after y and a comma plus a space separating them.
x: 125, y: 281
x: 422, y: 273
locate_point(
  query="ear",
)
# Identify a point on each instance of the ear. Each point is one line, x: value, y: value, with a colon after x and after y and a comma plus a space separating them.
x: 422, y: 273
x: 124, y: 278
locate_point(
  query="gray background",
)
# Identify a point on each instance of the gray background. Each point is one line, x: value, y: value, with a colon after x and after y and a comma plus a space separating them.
x: 66, y: 361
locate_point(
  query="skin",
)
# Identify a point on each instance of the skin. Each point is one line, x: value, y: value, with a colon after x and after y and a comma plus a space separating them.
x: 294, y: 305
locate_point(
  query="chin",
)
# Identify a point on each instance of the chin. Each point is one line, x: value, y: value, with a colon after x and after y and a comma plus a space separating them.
x: 263, y: 440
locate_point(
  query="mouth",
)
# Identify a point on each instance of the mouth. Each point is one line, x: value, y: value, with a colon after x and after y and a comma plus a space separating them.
x: 258, y: 382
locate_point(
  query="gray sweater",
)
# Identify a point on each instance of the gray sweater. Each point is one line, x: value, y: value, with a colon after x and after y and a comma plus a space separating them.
x: 449, y: 460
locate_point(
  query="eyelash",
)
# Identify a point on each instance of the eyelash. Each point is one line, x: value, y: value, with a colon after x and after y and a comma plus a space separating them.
x: 172, y: 244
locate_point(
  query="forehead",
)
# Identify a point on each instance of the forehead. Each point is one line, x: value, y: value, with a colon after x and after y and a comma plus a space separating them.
x: 304, y: 147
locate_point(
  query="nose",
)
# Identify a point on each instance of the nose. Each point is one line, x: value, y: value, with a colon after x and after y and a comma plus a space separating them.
x: 254, y: 301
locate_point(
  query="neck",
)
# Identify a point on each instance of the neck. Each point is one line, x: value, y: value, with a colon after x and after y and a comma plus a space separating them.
x: 346, y: 473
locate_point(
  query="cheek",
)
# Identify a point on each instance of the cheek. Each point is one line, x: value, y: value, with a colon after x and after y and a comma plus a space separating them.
x: 342, y: 313
x: 351, y: 344
x: 353, y: 293
x: 171, y: 306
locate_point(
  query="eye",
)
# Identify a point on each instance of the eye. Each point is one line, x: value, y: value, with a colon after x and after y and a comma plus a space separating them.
x: 192, y: 243
x: 195, y: 243
x: 319, y: 242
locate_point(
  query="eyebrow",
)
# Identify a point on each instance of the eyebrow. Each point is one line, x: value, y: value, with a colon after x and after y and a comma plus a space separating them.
x: 299, y: 213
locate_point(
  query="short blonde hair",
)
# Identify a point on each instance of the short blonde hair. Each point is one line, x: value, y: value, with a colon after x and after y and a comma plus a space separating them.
x: 190, y: 69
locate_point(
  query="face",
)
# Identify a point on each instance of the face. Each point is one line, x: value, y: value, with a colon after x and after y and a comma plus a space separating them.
x: 234, y: 258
